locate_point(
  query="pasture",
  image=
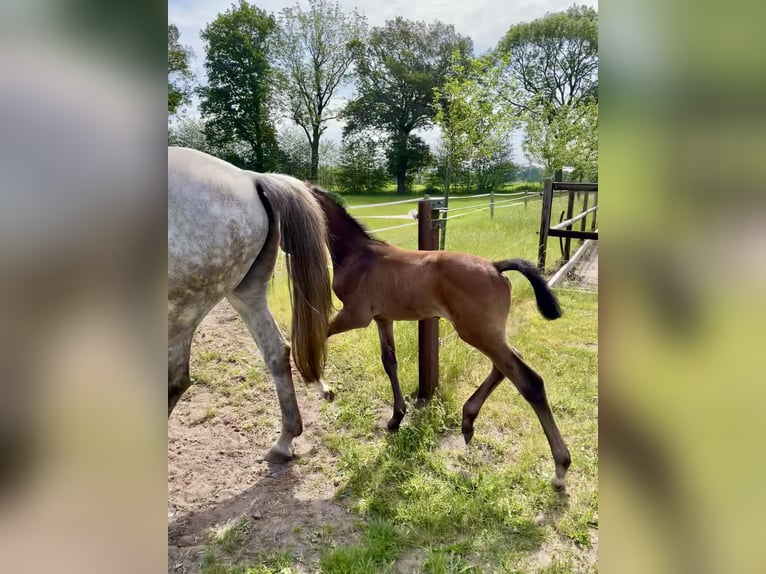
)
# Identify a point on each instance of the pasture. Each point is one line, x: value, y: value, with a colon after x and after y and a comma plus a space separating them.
x: 360, y: 499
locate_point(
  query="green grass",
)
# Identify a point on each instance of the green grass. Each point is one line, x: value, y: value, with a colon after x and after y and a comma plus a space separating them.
x: 273, y: 563
x: 419, y: 491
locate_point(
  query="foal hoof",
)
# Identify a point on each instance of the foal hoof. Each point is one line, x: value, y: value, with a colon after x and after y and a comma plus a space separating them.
x: 279, y: 455
x: 394, y: 424
x: 559, y: 484
x: 328, y: 395
x: 468, y: 435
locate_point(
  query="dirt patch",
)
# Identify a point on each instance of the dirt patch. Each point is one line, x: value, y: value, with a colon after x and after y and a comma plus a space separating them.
x: 217, y: 437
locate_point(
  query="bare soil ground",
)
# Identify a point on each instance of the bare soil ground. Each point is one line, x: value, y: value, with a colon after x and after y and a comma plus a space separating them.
x: 216, y: 471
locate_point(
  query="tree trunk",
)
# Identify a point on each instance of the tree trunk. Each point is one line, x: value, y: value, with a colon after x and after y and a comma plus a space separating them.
x: 314, y: 171
x: 401, y: 164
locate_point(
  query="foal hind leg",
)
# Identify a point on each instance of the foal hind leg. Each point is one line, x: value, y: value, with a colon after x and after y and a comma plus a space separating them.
x: 252, y: 306
x: 390, y: 365
x: 531, y: 387
x: 473, y: 405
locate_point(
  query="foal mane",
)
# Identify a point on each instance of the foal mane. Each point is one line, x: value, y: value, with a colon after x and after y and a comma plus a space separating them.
x: 340, y: 208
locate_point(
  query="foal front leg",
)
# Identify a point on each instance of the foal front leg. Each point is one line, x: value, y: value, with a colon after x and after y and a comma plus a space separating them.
x: 390, y: 365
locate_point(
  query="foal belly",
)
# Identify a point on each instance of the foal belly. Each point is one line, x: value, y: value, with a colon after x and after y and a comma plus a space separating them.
x: 410, y: 311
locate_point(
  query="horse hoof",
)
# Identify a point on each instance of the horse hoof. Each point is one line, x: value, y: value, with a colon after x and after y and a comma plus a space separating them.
x: 468, y: 435
x: 329, y: 395
x: 277, y: 455
x: 394, y: 424
x: 559, y: 484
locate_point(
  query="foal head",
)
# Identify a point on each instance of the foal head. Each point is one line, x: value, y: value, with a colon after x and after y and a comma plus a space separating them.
x: 345, y: 234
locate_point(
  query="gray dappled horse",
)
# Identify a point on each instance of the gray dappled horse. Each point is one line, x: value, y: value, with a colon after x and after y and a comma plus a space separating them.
x: 224, y: 230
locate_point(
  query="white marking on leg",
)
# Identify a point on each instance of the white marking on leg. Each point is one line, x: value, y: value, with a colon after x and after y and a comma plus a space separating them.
x: 325, y: 392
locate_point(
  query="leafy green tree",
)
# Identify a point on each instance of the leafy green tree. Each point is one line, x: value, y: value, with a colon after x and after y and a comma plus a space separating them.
x: 493, y: 170
x: 398, y: 68
x: 236, y: 102
x: 313, y: 52
x: 295, y: 152
x: 552, y: 75
x: 554, y: 59
x: 474, y: 122
x: 179, y: 74
x: 416, y: 152
x: 363, y: 163
x: 189, y: 132
x: 568, y: 138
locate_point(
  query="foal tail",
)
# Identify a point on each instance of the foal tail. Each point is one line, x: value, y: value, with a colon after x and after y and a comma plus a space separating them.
x: 546, y: 300
x: 303, y: 230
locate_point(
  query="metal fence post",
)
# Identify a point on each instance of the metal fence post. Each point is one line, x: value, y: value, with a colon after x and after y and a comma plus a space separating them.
x: 428, y: 329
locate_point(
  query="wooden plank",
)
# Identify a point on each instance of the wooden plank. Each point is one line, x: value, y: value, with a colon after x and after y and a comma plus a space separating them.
x: 573, y: 234
x: 595, y: 204
x: 428, y: 329
x: 585, y: 211
x: 572, y: 186
x: 570, y: 221
x: 559, y: 276
x: 570, y: 212
x: 545, y: 221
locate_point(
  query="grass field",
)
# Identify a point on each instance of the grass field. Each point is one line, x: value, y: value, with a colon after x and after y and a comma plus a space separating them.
x: 424, y: 502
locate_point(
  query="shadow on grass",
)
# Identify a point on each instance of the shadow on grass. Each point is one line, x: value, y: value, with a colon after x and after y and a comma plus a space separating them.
x: 408, y: 485
x: 276, y: 521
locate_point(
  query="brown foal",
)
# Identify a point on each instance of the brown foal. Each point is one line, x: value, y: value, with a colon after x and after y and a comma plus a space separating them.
x: 375, y: 280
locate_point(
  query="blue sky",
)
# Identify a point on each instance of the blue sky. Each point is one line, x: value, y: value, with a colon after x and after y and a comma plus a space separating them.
x: 485, y: 21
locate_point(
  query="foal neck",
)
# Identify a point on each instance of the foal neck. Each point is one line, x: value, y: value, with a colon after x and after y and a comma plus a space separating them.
x: 345, y: 235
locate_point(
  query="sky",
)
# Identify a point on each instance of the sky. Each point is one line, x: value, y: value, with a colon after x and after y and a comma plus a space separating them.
x: 485, y: 21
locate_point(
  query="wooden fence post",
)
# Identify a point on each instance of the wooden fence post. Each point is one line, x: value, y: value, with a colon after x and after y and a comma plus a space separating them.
x: 492, y: 203
x: 428, y: 329
x: 445, y: 204
x: 595, y: 202
x: 570, y: 213
x: 545, y: 221
x: 584, y: 208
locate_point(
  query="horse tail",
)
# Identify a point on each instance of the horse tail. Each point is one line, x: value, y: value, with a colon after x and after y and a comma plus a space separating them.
x: 546, y: 300
x: 303, y: 237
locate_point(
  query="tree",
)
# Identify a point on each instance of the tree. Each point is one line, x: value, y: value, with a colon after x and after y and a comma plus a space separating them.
x: 329, y: 159
x: 493, y: 170
x: 416, y: 152
x: 362, y: 164
x: 236, y: 102
x: 585, y: 154
x: 313, y: 53
x: 475, y: 125
x: 554, y: 59
x: 398, y: 68
x: 295, y: 152
x: 568, y: 139
x: 555, y: 62
x: 179, y: 74
x: 189, y: 132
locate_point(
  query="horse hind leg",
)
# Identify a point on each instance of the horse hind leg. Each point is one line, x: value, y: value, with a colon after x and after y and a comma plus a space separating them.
x: 473, y: 405
x: 249, y: 299
x: 532, y: 388
x: 179, y: 351
x: 490, y: 340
